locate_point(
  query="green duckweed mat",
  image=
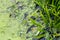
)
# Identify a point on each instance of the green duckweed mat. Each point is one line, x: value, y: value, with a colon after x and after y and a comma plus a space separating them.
x: 10, y: 26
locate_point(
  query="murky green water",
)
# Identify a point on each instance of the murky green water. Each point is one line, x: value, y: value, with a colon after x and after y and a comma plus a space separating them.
x: 10, y: 26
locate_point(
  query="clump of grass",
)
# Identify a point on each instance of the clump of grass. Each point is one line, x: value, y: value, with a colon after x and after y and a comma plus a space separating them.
x: 49, y: 23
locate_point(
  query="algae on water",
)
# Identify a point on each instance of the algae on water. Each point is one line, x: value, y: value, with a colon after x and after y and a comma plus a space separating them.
x: 11, y: 18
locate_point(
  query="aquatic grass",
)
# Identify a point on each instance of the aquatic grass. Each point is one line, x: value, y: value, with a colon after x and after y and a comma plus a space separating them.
x: 49, y: 12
